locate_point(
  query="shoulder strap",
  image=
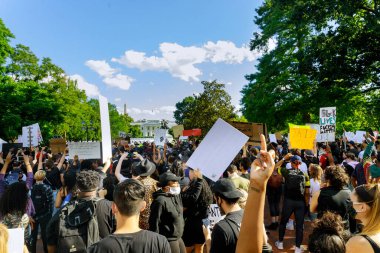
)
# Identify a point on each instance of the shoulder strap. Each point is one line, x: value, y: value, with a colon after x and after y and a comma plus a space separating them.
x: 375, y: 247
x: 237, y: 227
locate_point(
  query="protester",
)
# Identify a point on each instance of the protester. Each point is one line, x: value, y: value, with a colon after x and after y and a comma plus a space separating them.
x: 315, y: 184
x: 68, y: 190
x: 359, y: 176
x: 196, y: 199
x: 239, y: 182
x: 366, y: 208
x: 166, y: 212
x: 129, y: 237
x: 244, y: 165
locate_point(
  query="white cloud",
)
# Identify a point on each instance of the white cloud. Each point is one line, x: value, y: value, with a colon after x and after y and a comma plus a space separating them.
x: 111, y: 77
x: 91, y: 89
x: 168, y: 109
x: 180, y: 61
x: 117, y: 99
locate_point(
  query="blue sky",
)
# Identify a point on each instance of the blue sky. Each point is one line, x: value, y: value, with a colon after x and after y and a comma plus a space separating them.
x: 147, y: 54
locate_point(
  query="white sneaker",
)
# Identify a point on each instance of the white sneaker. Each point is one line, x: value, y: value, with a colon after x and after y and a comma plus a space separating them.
x: 279, y: 245
x: 298, y: 250
x: 290, y: 225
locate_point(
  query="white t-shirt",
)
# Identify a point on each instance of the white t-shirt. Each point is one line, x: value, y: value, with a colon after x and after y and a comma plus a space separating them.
x: 315, y: 186
x: 303, y: 167
x: 360, y: 155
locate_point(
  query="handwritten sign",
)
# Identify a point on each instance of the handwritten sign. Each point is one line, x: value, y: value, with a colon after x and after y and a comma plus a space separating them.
x: 302, y: 138
x: 31, y: 135
x: 122, y: 134
x: 85, y: 150
x: 327, y: 123
x: 160, y: 136
x: 217, y: 150
x: 214, y: 215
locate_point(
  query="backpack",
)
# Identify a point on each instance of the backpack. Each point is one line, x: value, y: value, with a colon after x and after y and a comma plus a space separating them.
x: 78, y: 226
x: 295, y: 184
x: 275, y: 180
x: 40, y: 200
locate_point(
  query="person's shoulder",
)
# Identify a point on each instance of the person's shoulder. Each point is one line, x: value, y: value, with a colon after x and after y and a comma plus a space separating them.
x: 358, y: 244
x: 107, y: 244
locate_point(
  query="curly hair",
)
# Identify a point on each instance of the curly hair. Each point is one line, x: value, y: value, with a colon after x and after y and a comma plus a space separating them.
x: 328, y: 235
x: 14, y: 199
x: 336, y: 176
x: 88, y: 180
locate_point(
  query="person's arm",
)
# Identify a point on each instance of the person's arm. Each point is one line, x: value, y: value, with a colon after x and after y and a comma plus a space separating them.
x: 314, y: 202
x: 244, y: 151
x: 118, y: 175
x: 207, y: 235
x: 62, y: 160
x: 40, y: 159
x: 253, y: 218
x: 107, y: 165
x: 8, y: 160
x: 1, y: 158
x: 281, y: 162
x: 59, y: 198
x: 330, y: 158
x: 29, y: 171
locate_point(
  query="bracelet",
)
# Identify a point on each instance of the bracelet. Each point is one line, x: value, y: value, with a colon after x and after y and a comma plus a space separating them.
x: 255, y: 189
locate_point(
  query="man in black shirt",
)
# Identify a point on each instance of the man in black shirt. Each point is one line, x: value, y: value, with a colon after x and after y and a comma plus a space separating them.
x: 128, y: 237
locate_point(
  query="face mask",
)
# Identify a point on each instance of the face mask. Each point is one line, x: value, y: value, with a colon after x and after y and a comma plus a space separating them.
x: 175, y: 190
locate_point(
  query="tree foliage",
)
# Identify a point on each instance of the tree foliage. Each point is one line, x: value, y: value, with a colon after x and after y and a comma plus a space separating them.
x: 38, y: 91
x: 327, y: 54
x: 201, y: 111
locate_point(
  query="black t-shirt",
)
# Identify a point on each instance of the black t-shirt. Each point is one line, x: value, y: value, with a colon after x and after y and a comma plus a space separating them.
x: 334, y: 200
x: 53, y: 178
x: 140, y: 242
x: 106, y: 222
x: 226, y: 232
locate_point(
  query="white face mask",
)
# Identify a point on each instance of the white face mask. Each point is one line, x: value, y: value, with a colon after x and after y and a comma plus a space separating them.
x: 175, y: 190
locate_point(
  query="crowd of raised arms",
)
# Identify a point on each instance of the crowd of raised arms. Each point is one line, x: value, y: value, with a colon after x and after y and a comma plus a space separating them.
x: 145, y: 199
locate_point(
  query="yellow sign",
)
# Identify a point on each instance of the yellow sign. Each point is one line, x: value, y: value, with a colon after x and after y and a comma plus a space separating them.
x: 302, y: 138
x: 298, y: 126
x: 177, y: 131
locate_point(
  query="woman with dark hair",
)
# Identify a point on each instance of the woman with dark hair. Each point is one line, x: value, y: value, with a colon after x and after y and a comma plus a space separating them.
x: 68, y: 190
x: 196, y: 199
x: 333, y: 197
x: 327, y: 235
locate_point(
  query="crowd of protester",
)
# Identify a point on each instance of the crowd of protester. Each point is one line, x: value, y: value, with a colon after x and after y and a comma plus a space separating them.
x: 145, y: 199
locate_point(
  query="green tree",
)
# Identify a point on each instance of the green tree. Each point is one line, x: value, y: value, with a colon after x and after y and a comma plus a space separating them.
x: 5, y: 47
x: 204, y: 109
x: 327, y: 54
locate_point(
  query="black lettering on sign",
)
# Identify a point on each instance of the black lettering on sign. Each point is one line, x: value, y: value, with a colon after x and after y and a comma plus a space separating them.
x: 327, y: 129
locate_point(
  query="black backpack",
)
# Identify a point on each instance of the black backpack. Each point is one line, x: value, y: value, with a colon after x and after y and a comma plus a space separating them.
x: 40, y: 200
x: 295, y: 184
x: 78, y: 226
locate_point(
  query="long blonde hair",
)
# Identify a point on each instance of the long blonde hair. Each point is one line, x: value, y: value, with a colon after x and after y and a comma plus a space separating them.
x: 3, y: 239
x: 316, y: 172
x: 370, y: 194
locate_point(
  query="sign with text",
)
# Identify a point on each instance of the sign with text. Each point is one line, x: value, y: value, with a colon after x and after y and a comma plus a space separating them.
x: 252, y: 130
x: 31, y: 135
x: 217, y: 150
x: 327, y: 123
x: 214, y: 215
x: 192, y: 132
x: 160, y: 136
x: 57, y: 145
x: 177, y: 130
x: 85, y: 150
x: 106, y: 129
x: 302, y: 138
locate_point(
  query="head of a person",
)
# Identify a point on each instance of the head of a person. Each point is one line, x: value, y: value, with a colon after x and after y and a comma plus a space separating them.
x: 366, y: 203
x: 225, y: 194
x: 177, y: 168
x: 14, y: 199
x: 336, y: 177
x: 49, y: 164
x: 128, y: 198
x: 327, y: 235
x: 40, y: 175
x: 70, y: 181
x: 169, y: 183
x: 3, y: 238
x: 295, y: 161
x: 89, y: 164
x: 315, y: 171
x: 351, y: 156
x: 244, y: 164
x: 143, y: 169
x: 194, y: 174
x: 88, y: 182
x: 232, y: 169
x: 109, y: 184
x: 243, y: 199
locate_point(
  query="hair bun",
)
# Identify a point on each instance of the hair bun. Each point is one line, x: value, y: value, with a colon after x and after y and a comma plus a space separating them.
x: 330, y: 223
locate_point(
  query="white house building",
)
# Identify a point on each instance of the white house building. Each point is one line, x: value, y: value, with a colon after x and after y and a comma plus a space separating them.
x: 148, y: 126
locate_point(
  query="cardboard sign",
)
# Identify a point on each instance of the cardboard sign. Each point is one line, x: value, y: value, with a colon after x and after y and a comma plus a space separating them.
x: 252, y: 130
x: 217, y: 150
x: 31, y: 136
x: 302, y: 138
x: 214, y: 215
x: 85, y: 150
x: 106, y: 129
x: 177, y: 130
x: 327, y: 123
x: 57, y: 145
x: 15, y: 236
x: 160, y: 136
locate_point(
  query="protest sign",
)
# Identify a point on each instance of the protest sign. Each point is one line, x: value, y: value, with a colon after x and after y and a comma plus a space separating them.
x: 1, y: 144
x: 141, y: 140
x: 57, y: 145
x: 192, y: 132
x: 160, y: 136
x: 219, y: 147
x: 85, y: 150
x: 214, y: 215
x: 8, y: 146
x: 318, y: 128
x: 31, y: 135
x: 349, y: 135
x: 177, y: 130
x: 359, y: 136
x: 106, y: 129
x: 327, y: 122
x: 272, y: 138
x: 15, y: 236
x: 302, y: 138
x: 252, y: 130
x: 183, y: 138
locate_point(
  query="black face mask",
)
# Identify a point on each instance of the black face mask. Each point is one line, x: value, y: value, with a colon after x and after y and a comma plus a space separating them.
x: 350, y: 209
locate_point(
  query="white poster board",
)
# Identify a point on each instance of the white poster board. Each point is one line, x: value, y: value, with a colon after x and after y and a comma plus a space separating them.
x: 214, y: 215
x: 349, y: 135
x: 31, y: 135
x: 85, y: 150
x: 318, y: 128
x: 327, y: 123
x: 272, y: 138
x: 217, y: 150
x: 106, y: 128
x: 15, y: 239
x: 160, y: 136
x: 359, y: 136
x: 1, y: 144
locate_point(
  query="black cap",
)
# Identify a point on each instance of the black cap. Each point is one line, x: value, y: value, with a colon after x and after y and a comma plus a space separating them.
x: 226, y: 188
x: 166, y: 177
x: 144, y: 168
